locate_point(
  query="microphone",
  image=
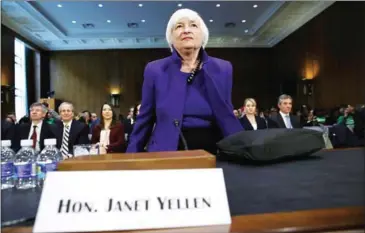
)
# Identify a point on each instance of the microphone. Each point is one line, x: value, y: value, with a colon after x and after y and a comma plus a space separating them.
x: 176, y: 123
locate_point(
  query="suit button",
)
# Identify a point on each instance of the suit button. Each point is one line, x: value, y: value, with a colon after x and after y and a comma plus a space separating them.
x: 152, y: 142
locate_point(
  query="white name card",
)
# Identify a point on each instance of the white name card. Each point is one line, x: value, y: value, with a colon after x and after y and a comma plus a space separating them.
x: 130, y: 200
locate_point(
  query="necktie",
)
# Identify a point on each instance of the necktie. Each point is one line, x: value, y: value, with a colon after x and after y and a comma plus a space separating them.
x: 64, y: 147
x: 288, y: 122
x: 34, y: 136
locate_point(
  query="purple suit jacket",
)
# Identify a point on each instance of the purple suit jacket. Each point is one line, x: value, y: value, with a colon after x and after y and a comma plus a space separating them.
x: 163, y: 96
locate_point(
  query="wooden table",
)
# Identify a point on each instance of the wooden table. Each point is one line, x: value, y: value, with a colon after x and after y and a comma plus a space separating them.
x: 141, y: 161
x: 323, y: 220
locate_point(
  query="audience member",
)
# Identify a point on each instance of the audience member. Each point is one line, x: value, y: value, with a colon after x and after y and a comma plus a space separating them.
x: 109, y: 133
x: 250, y: 121
x: 284, y: 119
x: 69, y: 132
x: 36, y: 129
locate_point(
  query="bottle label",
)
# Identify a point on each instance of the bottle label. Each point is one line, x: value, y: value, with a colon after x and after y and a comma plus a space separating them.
x: 44, y: 167
x: 24, y: 170
x: 7, y: 169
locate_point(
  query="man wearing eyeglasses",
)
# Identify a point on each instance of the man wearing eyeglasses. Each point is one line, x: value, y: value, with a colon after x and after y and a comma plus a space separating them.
x: 36, y: 130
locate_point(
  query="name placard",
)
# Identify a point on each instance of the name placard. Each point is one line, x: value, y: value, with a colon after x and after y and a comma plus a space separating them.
x: 130, y: 200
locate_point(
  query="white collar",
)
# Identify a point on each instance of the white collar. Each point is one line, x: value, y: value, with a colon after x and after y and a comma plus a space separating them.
x: 284, y: 114
x: 39, y: 125
x: 69, y: 123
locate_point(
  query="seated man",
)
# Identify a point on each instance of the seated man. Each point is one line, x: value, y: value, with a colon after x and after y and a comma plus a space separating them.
x: 69, y: 132
x: 36, y: 130
x: 284, y: 119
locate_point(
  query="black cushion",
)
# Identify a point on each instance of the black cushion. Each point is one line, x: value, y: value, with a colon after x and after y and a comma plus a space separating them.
x: 271, y: 144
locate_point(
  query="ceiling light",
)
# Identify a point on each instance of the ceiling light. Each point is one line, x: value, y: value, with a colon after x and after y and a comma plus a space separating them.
x: 243, y: 21
x: 59, y: 5
x: 100, y: 5
x: 254, y: 6
x: 246, y: 31
x: 211, y: 20
x: 108, y: 21
x: 143, y: 20
x: 218, y: 5
x: 140, y: 5
x: 73, y: 21
x: 179, y: 5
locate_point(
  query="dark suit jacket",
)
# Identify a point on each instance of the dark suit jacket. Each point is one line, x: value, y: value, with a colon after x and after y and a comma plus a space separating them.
x: 277, y: 121
x: 128, y: 127
x: 246, y: 124
x: 8, y: 130
x: 116, y: 137
x: 163, y: 100
x: 22, y: 132
x: 78, y: 134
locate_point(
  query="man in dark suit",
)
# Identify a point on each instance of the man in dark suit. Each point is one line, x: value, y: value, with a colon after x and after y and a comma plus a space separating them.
x: 69, y: 132
x: 284, y: 119
x: 37, y: 130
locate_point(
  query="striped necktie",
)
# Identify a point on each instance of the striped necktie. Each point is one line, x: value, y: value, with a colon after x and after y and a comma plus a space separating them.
x: 64, y: 147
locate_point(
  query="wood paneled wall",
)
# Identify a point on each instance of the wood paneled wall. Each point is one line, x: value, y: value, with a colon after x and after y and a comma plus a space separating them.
x: 336, y: 39
x: 86, y: 78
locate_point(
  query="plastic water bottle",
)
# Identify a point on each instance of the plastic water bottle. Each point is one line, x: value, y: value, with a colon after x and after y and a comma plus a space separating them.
x: 47, y: 160
x: 7, y: 165
x: 25, y: 166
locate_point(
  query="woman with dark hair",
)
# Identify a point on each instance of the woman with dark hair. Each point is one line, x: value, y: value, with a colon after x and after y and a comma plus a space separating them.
x: 109, y: 134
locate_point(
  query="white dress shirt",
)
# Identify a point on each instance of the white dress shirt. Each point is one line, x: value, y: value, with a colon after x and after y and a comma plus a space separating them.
x: 254, y: 126
x: 286, y: 118
x: 38, y: 131
x: 69, y: 126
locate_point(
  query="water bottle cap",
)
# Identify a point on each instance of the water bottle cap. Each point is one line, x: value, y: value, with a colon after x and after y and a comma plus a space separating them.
x: 5, y: 143
x: 50, y: 142
x: 26, y: 142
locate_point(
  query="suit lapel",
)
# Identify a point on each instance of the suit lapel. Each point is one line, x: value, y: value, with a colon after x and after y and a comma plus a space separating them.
x: 176, y: 88
x: 44, y: 133
x: 60, y: 132
x: 281, y: 121
x: 293, y: 121
x: 73, y: 132
x: 26, y: 131
x: 247, y: 123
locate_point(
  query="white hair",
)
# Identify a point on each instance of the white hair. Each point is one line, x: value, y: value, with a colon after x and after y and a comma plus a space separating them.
x: 190, y: 14
x: 65, y: 104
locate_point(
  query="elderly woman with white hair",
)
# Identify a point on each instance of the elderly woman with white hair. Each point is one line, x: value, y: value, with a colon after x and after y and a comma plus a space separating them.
x: 186, y: 97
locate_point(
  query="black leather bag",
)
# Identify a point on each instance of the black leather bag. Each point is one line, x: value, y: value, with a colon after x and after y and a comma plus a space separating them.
x: 271, y: 144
